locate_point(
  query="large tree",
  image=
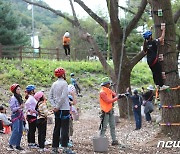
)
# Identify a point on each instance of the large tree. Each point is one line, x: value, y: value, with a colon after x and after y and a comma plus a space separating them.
x: 122, y: 65
x: 168, y: 97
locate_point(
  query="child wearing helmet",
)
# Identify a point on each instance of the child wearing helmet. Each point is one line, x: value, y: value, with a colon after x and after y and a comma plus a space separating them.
x: 42, y: 110
x: 58, y: 97
x: 66, y: 43
x: 4, y: 121
x: 17, y: 117
x: 150, y: 48
x: 75, y: 84
x: 31, y: 115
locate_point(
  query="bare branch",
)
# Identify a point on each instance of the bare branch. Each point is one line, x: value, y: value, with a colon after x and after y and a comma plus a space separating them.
x: 136, y: 18
x: 137, y: 58
x: 128, y: 10
x: 176, y: 16
x: 59, y: 13
x: 73, y: 11
x: 98, y: 19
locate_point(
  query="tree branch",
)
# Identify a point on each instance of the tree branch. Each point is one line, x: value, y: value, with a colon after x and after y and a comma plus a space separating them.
x: 73, y: 11
x: 176, y: 16
x: 137, y: 58
x: 59, y: 13
x: 98, y: 19
x: 115, y: 23
x: 128, y: 10
x: 136, y: 18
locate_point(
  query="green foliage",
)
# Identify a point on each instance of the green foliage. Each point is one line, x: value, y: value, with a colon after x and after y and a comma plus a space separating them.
x: 41, y: 73
x: 141, y: 75
x: 10, y: 34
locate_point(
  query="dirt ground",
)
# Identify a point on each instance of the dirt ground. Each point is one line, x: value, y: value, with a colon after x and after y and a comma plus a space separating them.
x: 143, y: 141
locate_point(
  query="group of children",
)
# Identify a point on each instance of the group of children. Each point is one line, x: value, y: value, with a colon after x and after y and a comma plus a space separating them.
x: 34, y: 113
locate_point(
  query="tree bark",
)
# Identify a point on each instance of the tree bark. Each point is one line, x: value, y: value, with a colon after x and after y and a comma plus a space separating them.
x: 168, y: 97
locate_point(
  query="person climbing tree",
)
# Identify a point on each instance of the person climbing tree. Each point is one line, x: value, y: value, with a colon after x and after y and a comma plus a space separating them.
x: 66, y: 43
x: 150, y: 48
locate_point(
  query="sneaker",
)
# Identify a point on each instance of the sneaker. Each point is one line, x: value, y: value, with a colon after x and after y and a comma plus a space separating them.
x: 19, y: 148
x: 54, y: 151
x: 2, y: 131
x: 33, y: 145
x: 47, y: 142
x: 115, y: 142
x: 164, y: 87
x: 10, y: 148
x: 43, y: 150
x: 68, y: 151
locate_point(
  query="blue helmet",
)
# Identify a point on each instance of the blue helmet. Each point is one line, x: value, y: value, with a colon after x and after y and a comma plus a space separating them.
x: 70, y: 97
x: 147, y: 34
x: 30, y: 88
x: 72, y: 74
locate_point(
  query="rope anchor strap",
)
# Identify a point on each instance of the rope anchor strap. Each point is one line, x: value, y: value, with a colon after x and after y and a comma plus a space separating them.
x: 169, y: 124
x: 176, y: 71
x: 168, y: 106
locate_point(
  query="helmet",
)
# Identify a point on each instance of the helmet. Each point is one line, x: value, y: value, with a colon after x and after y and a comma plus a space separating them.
x: 38, y: 95
x: 105, y: 81
x: 70, y: 97
x: 13, y: 87
x: 71, y: 89
x: 135, y: 91
x: 72, y: 74
x: 30, y: 88
x: 150, y: 87
x: 59, y: 72
x: 147, y: 34
x: 66, y: 34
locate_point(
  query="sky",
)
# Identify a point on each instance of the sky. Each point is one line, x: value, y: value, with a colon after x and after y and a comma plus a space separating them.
x: 95, y: 5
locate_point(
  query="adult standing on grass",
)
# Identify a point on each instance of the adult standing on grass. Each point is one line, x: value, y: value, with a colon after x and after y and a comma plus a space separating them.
x: 58, y: 98
x: 66, y: 43
x: 107, y: 98
x: 17, y: 118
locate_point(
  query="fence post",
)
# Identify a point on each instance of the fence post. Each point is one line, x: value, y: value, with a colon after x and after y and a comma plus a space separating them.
x: 57, y: 53
x: 0, y: 50
x: 39, y: 52
x: 20, y: 53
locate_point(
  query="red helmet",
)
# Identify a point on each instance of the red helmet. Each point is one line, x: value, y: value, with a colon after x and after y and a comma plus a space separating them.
x: 13, y: 87
x: 59, y: 72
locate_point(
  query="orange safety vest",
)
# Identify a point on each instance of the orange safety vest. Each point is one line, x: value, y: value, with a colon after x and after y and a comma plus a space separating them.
x: 107, y: 106
x: 66, y: 40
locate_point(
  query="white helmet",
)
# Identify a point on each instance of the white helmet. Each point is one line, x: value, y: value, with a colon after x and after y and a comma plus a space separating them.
x: 66, y: 34
x: 71, y: 89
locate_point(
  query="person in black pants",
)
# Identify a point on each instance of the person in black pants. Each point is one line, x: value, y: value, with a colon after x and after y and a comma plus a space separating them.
x: 150, y: 48
x: 42, y: 110
x: 59, y: 100
x: 137, y: 102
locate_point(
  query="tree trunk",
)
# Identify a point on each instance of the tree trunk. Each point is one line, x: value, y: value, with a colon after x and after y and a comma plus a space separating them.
x: 168, y: 97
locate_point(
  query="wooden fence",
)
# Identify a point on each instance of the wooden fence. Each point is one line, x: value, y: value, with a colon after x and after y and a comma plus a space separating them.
x: 22, y: 52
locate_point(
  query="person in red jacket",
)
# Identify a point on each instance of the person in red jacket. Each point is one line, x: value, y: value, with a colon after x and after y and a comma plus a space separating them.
x: 107, y: 98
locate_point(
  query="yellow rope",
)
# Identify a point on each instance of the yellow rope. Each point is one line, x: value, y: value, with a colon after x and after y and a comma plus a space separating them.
x: 170, y: 124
